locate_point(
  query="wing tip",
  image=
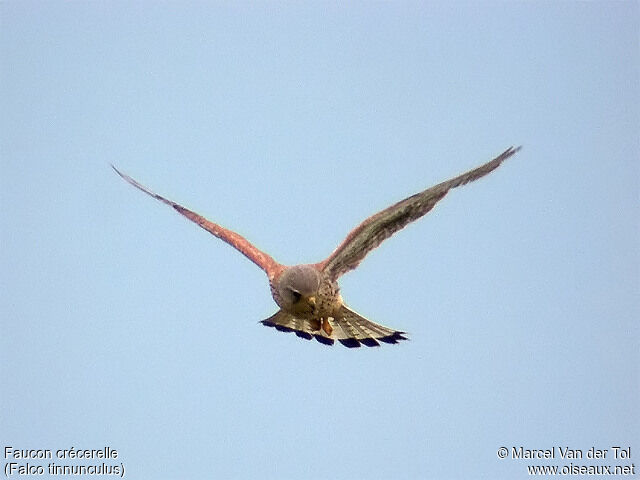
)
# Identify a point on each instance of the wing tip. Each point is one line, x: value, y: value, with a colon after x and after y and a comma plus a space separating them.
x: 115, y: 169
x: 509, y: 152
x: 138, y: 185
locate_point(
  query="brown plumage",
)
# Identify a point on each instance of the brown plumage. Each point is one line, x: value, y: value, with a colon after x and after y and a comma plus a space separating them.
x: 308, y: 295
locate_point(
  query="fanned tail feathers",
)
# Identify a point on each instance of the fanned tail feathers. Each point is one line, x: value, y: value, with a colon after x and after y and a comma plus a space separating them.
x: 349, y: 328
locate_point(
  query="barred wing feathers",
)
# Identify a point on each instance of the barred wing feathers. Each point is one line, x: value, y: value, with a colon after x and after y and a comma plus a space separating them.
x: 377, y: 228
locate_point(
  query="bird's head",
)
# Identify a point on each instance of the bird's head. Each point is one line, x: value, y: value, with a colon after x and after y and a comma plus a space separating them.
x: 297, y: 288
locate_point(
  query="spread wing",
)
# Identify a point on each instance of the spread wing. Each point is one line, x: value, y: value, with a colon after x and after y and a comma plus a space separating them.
x: 264, y: 261
x: 377, y: 228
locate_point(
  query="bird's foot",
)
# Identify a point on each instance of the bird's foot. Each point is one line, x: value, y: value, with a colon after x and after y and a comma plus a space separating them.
x: 326, y: 326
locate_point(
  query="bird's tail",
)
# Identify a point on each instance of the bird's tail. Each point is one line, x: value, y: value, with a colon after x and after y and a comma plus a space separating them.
x: 349, y: 328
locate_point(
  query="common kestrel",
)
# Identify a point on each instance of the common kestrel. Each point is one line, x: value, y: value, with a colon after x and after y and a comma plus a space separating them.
x: 308, y: 295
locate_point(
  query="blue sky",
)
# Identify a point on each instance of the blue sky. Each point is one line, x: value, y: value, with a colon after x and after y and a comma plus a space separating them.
x: 125, y: 325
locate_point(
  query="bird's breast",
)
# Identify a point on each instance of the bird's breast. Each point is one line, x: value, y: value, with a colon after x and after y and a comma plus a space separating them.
x: 328, y: 299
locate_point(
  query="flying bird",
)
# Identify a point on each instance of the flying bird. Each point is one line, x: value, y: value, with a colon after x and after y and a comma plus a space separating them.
x: 308, y: 295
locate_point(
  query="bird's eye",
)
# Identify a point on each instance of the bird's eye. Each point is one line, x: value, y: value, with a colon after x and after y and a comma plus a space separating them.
x: 296, y: 295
